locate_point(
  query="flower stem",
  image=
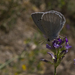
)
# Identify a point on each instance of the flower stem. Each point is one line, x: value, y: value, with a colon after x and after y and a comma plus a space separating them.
x: 54, y: 70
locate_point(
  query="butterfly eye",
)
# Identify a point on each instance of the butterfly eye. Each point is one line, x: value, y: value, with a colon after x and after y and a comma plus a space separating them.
x: 48, y: 40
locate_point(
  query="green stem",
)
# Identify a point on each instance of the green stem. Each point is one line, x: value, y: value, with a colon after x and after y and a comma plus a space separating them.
x: 6, y: 63
x: 54, y: 70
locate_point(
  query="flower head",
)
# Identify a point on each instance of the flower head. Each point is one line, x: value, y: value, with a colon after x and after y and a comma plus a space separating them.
x: 59, y: 47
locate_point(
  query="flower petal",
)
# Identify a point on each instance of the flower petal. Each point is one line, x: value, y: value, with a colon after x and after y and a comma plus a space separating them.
x: 51, y: 55
x: 44, y: 60
x: 56, y: 45
x: 67, y: 46
x: 47, y: 46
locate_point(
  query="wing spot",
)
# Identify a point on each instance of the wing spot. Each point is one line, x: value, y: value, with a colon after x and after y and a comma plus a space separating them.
x: 39, y: 19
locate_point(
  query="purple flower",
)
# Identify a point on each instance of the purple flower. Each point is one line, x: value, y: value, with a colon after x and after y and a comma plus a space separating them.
x: 55, y: 60
x: 55, y: 41
x: 59, y: 47
x: 51, y: 55
x: 66, y: 40
x: 67, y: 51
x: 67, y: 46
x: 56, y: 45
x: 64, y: 52
x: 44, y: 60
x: 74, y: 61
x: 59, y: 39
x: 47, y: 46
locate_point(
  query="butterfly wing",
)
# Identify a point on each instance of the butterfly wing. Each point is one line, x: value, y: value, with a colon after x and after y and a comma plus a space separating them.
x: 52, y: 23
x: 37, y: 20
x: 62, y: 16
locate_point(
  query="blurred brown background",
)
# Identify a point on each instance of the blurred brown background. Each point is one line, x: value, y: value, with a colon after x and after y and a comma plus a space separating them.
x: 20, y: 48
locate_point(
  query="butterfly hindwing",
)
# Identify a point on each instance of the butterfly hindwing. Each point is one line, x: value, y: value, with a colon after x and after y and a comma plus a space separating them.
x: 52, y: 24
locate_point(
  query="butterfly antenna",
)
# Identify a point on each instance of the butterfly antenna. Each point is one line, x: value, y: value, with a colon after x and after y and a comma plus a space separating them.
x: 42, y: 42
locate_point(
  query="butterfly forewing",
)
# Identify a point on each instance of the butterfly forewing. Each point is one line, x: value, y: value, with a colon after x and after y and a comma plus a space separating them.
x: 37, y: 20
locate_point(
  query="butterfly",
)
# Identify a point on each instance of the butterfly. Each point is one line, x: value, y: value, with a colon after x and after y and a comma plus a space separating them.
x: 50, y: 23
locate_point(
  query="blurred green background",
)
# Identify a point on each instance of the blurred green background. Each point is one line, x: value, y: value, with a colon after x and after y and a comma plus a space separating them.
x: 20, y: 39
